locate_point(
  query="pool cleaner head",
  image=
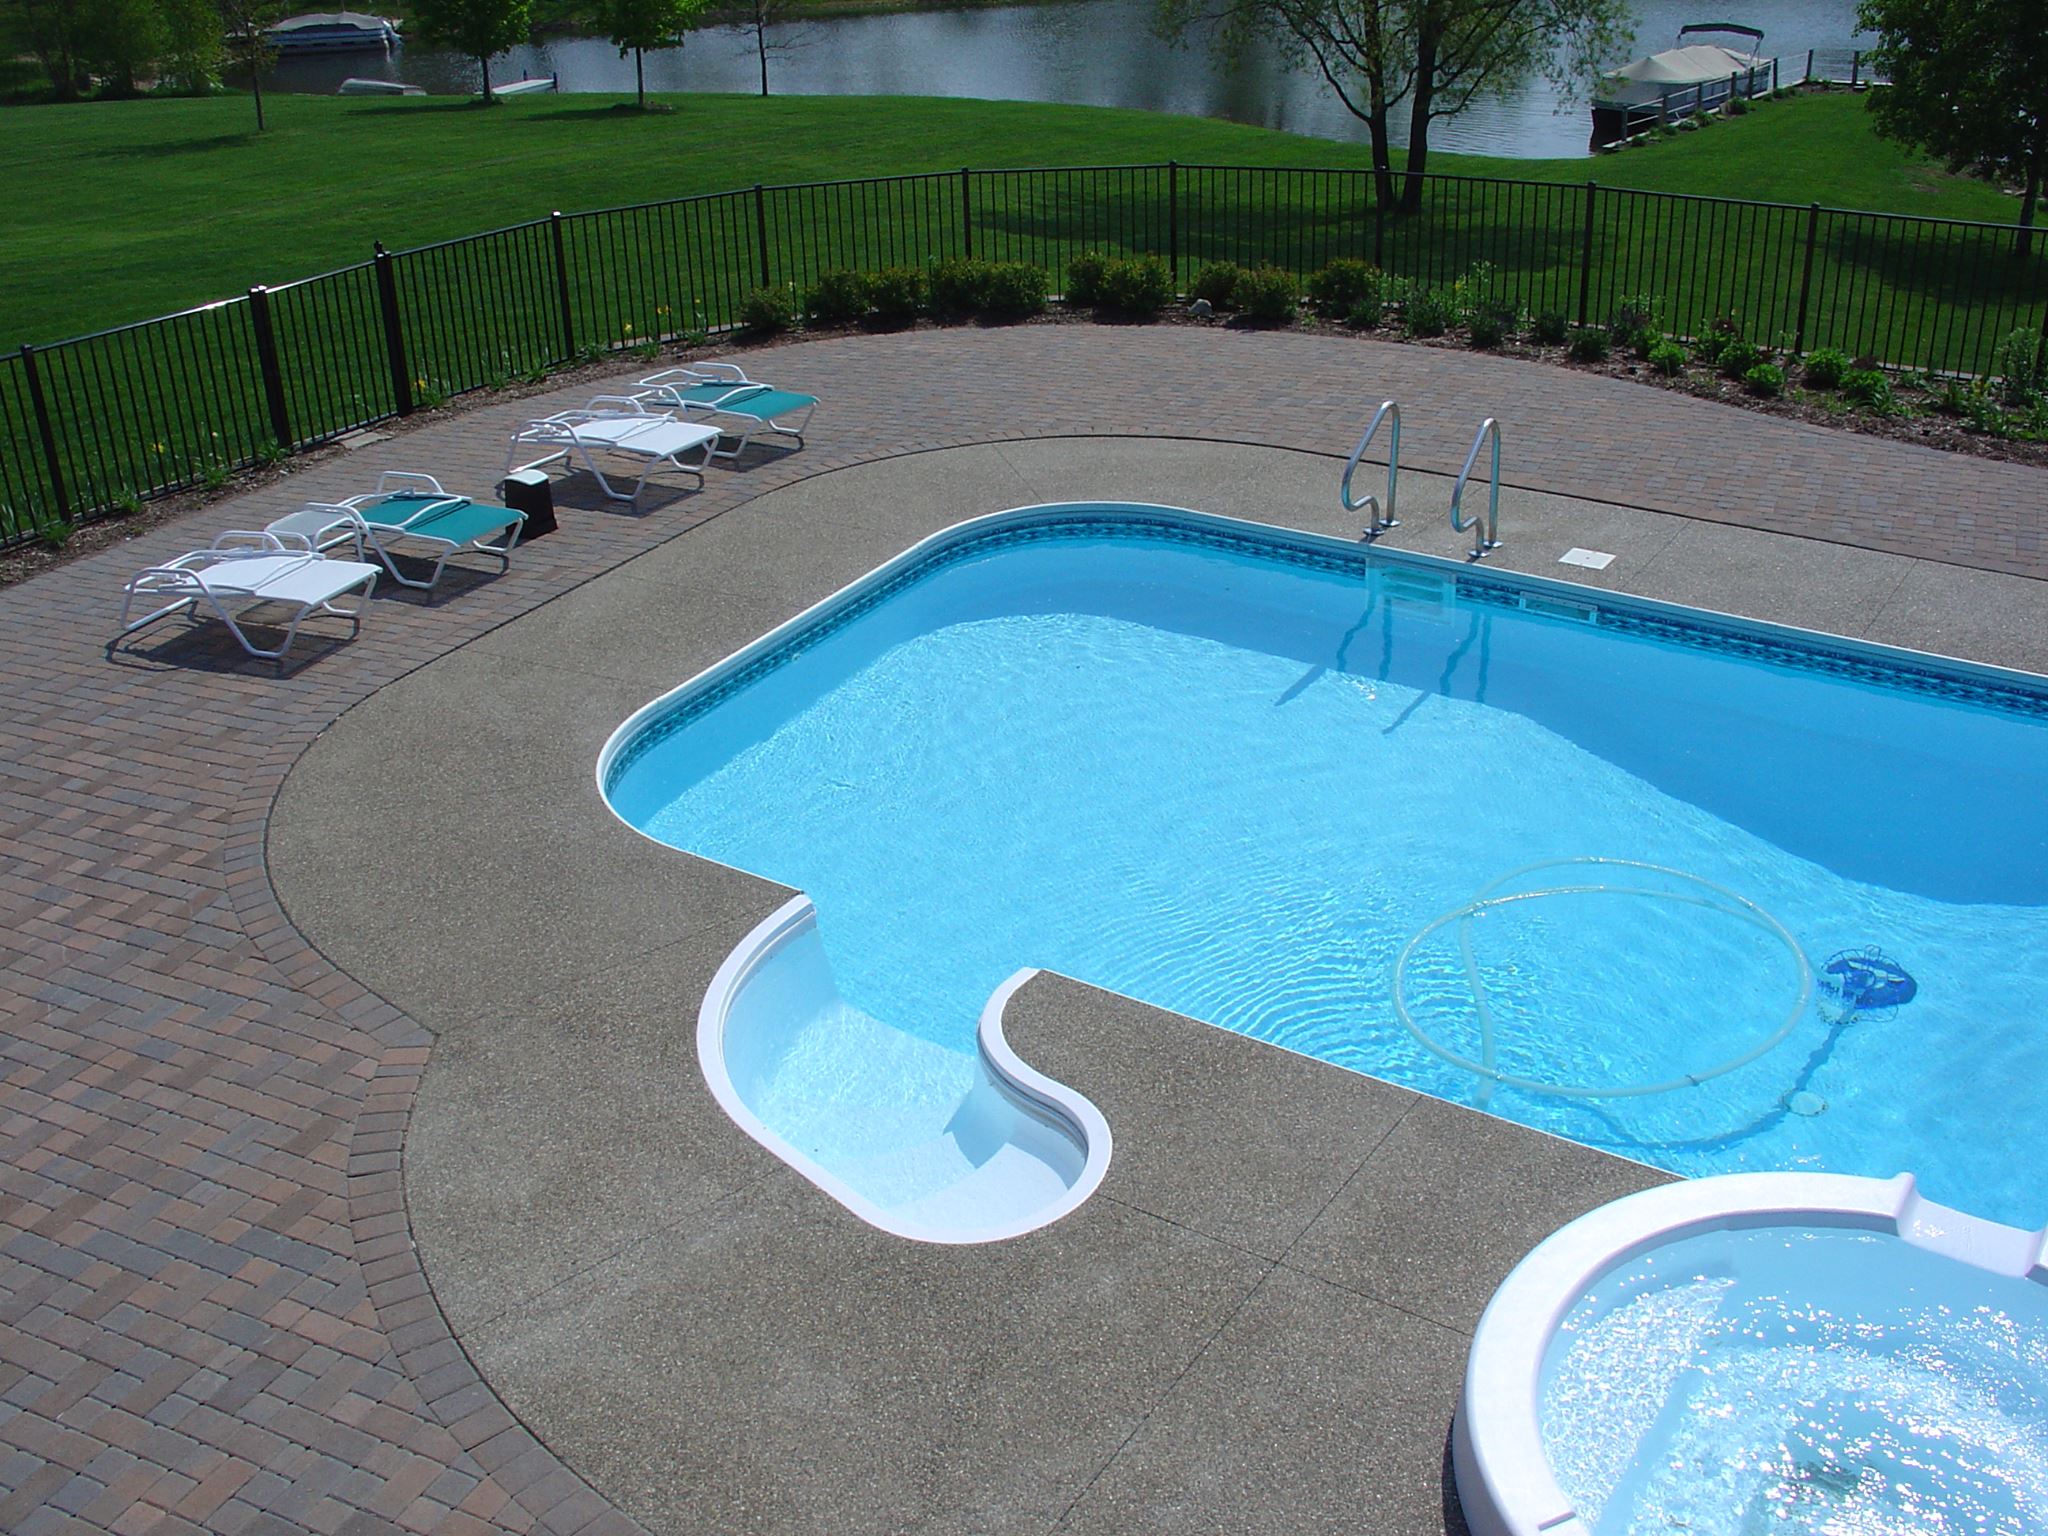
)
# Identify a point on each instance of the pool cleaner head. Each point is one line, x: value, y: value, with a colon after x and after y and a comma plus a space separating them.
x: 1862, y: 984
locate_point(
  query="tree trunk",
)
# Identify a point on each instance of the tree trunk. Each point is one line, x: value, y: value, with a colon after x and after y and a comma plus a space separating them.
x: 640, y: 78
x: 1418, y: 117
x: 1382, y: 158
x: 2023, y: 242
x: 256, y: 85
x: 483, y: 67
x: 761, y: 43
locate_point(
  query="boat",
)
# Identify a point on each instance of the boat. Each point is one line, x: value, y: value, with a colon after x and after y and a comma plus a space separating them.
x: 379, y: 88
x: 527, y: 87
x: 332, y: 32
x: 1695, y: 76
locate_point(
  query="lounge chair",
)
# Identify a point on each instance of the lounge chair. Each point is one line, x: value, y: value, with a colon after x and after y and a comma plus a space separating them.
x: 244, y: 568
x: 723, y: 390
x: 408, y: 508
x: 617, y: 424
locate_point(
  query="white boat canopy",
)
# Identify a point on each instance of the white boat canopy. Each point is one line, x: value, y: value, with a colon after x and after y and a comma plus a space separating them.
x: 356, y: 19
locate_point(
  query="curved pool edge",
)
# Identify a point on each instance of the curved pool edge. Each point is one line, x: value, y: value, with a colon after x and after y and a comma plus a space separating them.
x: 1503, y: 1473
x: 1030, y: 1091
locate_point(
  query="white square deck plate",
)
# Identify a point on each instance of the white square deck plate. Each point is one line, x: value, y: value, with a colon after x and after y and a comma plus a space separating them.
x: 1591, y: 559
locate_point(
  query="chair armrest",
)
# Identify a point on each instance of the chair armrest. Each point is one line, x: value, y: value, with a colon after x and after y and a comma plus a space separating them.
x: 401, y: 479
x: 242, y: 543
x: 720, y: 373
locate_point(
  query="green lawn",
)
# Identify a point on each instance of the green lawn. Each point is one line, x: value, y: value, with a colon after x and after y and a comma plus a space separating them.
x: 149, y: 206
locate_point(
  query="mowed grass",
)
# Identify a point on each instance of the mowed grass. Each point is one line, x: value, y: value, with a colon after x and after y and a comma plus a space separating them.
x: 146, y: 207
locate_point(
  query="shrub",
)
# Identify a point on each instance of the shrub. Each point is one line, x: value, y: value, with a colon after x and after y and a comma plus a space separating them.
x: 897, y: 294
x: 765, y: 311
x: 1490, y: 324
x: 959, y: 287
x: 1084, y: 278
x: 839, y: 298
x: 1216, y: 282
x: 1344, y: 284
x: 1428, y: 312
x: 1551, y: 328
x: 1588, y: 345
x: 1765, y: 379
x: 1633, y: 325
x: 1738, y: 357
x: 1715, y: 337
x: 1735, y: 108
x: 1824, y: 368
x: 2022, y: 367
x: 1668, y: 358
x: 55, y: 534
x: 1867, y: 387
x: 1267, y: 293
x: 1014, y: 289
x: 1140, y: 287
x: 1365, y: 314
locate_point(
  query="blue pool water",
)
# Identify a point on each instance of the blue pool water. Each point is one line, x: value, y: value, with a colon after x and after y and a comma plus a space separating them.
x: 1235, y: 781
x: 1809, y: 1382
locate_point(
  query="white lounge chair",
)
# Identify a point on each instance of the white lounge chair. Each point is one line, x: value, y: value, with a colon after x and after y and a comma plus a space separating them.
x: 723, y: 390
x: 244, y: 568
x: 407, y: 507
x: 617, y: 424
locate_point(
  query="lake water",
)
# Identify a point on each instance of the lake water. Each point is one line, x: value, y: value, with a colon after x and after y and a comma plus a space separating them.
x: 1084, y: 52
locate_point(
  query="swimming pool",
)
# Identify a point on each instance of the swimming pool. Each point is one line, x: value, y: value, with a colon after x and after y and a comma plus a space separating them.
x: 1502, y: 840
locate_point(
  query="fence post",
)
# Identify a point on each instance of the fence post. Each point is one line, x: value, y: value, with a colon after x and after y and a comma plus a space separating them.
x: 761, y: 228
x: 1774, y: 77
x: 1586, y: 257
x: 967, y: 213
x: 1807, y: 79
x: 1173, y: 221
x: 1806, y: 277
x: 1855, y: 67
x: 568, y: 315
x: 1379, y: 225
x: 394, y: 331
x: 44, y: 430
x: 266, y: 360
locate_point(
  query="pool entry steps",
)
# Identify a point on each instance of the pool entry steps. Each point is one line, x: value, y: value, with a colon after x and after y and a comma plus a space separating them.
x: 898, y: 1130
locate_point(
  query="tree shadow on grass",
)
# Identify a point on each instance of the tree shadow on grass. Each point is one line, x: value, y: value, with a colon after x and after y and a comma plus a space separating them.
x: 176, y: 147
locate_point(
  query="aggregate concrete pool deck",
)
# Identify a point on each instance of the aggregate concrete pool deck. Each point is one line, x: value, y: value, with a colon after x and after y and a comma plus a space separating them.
x: 360, y: 1175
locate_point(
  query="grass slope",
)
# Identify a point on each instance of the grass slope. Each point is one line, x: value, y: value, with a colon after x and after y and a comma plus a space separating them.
x: 151, y: 206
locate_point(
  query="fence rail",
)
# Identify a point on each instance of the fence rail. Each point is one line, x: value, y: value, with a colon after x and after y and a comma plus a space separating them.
x: 100, y: 422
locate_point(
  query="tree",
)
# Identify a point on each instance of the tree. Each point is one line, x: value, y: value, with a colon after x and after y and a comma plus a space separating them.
x: 637, y: 25
x: 767, y: 23
x: 193, y: 45
x: 245, y: 42
x: 1969, y: 84
x: 478, y: 28
x: 56, y: 34
x: 1436, y: 55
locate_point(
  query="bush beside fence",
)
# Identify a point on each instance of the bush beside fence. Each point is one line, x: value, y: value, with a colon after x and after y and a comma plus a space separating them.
x: 104, y: 421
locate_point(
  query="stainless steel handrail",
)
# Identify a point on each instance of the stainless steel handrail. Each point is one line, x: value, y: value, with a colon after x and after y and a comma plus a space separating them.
x: 1376, y: 524
x: 1490, y: 537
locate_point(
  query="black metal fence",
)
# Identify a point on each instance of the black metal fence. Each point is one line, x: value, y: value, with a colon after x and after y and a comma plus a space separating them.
x: 101, y: 422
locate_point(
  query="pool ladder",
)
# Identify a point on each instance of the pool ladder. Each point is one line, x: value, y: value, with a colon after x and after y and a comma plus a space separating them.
x: 1379, y: 519
x: 1487, y: 536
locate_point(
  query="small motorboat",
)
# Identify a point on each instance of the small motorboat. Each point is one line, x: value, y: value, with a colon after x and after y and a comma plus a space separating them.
x: 379, y: 88
x: 333, y: 32
x: 527, y: 87
x: 1695, y: 76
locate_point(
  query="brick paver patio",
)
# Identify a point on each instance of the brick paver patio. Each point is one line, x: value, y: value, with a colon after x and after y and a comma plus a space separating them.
x: 213, y: 1316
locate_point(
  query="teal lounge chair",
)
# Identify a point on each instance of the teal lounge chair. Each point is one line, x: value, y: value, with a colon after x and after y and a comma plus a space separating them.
x: 723, y: 392
x: 409, y: 508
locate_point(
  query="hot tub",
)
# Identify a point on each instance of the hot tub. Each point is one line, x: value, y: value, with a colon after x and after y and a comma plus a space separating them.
x: 1795, y: 1353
